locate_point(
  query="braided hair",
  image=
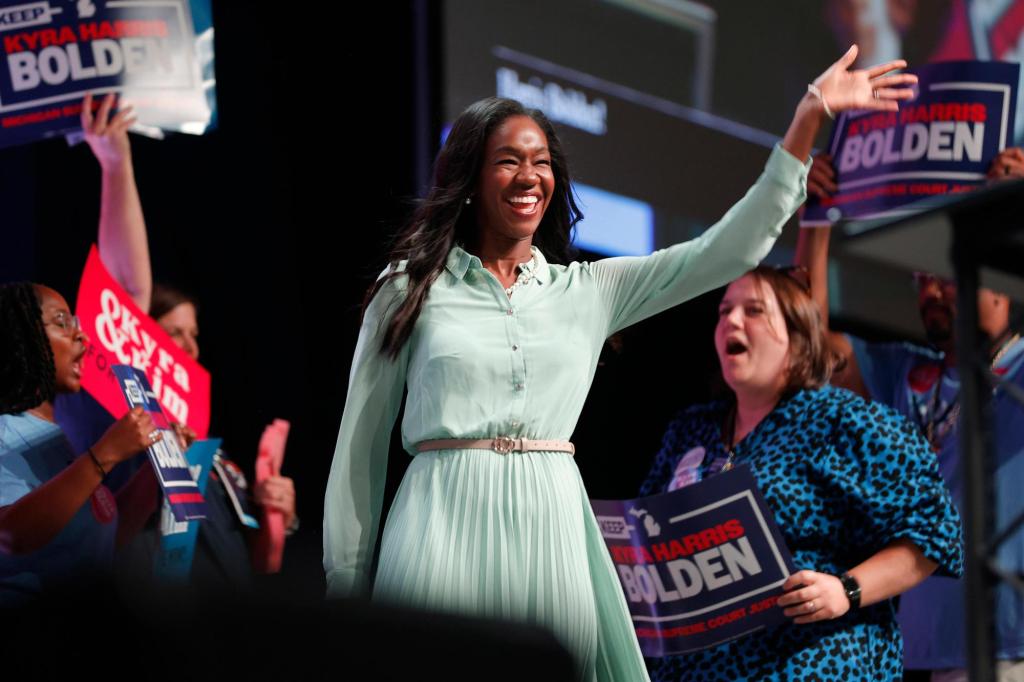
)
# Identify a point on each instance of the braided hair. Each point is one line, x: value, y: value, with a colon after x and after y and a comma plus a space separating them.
x: 27, y: 371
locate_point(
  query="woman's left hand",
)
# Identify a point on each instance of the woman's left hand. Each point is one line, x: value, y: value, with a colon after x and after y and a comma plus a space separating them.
x: 277, y: 493
x: 820, y: 597
x: 870, y: 89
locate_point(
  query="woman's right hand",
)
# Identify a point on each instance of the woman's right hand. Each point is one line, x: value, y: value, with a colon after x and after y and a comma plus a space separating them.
x: 128, y: 436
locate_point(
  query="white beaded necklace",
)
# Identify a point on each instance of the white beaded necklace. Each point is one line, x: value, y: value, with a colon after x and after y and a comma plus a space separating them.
x: 525, y: 272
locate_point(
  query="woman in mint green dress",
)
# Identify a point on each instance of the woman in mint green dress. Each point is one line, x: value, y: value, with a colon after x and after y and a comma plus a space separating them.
x: 496, y: 335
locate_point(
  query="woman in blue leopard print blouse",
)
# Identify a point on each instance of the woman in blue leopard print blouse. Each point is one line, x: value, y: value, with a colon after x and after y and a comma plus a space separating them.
x: 854, y: 488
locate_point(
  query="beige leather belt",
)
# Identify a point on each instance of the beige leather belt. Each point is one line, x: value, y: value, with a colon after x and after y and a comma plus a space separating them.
x: 502, y: 445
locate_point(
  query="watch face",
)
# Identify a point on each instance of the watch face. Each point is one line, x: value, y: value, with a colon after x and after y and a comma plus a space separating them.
x: 852, y: 589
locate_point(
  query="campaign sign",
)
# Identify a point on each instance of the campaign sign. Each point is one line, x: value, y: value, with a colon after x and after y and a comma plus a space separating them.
x: 178, y: 538
x: 55, y: 51
x: 700, y: 565
x: 121, y: 334
x: 941, y: 142
x: 237, y: 488
x: 169, y: 463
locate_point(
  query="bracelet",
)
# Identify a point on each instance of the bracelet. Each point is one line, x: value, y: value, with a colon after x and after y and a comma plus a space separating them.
x: 99, y: 467
x: 816, y: 91
x: 852, y: 589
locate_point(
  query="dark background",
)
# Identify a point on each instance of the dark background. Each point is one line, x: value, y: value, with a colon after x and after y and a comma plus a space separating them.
x: 279, y: 220
x: 276, y: 222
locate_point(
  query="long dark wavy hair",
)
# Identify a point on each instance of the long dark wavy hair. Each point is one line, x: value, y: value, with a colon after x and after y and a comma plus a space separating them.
x: 443, y: 220
x: 27, y: 372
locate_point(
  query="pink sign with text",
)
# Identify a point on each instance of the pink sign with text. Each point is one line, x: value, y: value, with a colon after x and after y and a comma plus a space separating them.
x: 121, y: 334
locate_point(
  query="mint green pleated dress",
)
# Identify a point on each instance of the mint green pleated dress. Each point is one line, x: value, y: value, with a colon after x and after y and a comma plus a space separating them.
x: 513, y: 536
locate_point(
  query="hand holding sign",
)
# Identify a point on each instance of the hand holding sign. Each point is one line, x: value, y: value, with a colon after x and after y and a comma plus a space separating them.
x: 870, y: 89
x: 130, y: 435
x: 1008, y: 165
x: 186, y: 436
x: 107, y: 136
x: 277, y: 493
x: 941, y: 143
x: 821, y: 179
x: 820, y: 597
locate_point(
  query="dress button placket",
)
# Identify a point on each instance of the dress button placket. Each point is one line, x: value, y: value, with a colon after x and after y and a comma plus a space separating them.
x: 518, y: 365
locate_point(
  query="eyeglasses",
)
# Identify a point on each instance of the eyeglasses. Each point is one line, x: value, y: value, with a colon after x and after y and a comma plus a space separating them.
x: 69, y: 324
x: 798, y: 274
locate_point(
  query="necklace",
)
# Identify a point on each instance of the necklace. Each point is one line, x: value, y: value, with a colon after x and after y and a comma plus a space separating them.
x: 721, y: 464
x: 936, y: 425
x: 525, y: 272
x: 38, y: 414
x: 1004, y: 349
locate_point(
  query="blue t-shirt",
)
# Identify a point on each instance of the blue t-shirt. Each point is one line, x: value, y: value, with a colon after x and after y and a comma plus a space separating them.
x: 912, y: 380
x: 32, y: 451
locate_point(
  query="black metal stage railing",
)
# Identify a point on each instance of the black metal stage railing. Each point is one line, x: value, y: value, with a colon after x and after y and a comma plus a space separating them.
x: 973, y: 238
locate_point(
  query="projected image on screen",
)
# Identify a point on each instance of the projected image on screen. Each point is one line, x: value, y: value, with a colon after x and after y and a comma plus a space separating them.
x: 668, y: 109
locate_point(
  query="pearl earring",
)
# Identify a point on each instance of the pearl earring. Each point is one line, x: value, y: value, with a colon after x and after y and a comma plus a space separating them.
x: 468, y: 201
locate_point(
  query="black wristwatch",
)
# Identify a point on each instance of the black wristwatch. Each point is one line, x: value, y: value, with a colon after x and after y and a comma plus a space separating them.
x: 852, y: 589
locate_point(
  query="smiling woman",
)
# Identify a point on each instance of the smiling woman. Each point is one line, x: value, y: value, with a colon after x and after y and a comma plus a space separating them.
x: 515, y: 188
x: 57, y: 519
x: 497, y: 334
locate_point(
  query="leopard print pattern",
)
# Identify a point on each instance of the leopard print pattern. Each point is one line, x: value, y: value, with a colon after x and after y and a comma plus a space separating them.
x: 844, y: 478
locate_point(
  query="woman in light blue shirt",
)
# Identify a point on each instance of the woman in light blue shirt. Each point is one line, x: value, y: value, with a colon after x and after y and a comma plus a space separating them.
x: 496, y: 336
x: 58, y: 522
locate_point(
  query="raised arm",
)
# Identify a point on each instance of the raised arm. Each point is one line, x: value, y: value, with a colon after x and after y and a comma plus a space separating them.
x: 839, y: 89
x: 812, y: 253
x: 635, y: 288
x: 122, y: 233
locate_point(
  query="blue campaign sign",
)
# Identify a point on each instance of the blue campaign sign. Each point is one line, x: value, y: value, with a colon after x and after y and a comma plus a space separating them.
x: 941, y: 142
x: 178, y: 539
x: 55, y: 51
x: 699, y: 565
x: 172, y: 469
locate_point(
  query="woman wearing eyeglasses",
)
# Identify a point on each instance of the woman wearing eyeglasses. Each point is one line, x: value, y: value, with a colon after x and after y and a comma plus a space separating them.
x: 58, y: 522
x: 855, y: 491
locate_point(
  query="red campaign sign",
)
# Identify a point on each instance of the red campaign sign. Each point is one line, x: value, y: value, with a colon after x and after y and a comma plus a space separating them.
x: 121, y: 334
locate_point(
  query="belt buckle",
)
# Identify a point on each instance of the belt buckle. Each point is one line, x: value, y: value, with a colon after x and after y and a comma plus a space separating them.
x: 503, y: 444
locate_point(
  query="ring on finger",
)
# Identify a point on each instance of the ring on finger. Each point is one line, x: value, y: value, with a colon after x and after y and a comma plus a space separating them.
x: 154, y: 434
x: 810, y: 606
x: 874, y: 93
